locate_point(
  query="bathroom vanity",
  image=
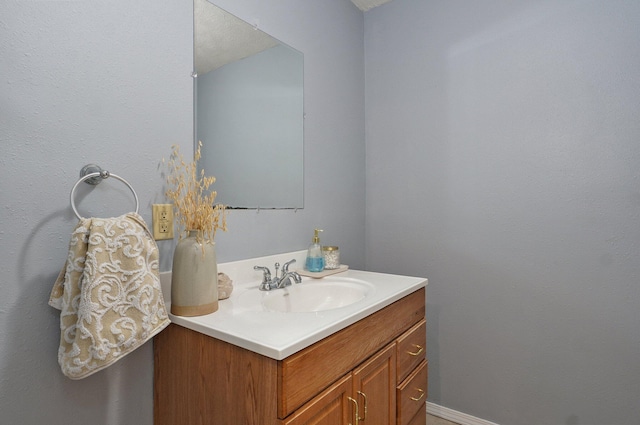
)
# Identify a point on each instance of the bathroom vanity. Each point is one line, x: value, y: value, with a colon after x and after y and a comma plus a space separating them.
x: 250, y: 364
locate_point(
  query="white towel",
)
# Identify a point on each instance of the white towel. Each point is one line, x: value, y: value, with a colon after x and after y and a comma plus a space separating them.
x: 108, y: 294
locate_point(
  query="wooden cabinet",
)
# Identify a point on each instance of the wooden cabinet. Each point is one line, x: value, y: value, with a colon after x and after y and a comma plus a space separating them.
x: 202, y: 380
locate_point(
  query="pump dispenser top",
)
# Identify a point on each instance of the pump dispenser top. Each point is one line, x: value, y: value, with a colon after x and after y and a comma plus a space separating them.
x: 315, y: 259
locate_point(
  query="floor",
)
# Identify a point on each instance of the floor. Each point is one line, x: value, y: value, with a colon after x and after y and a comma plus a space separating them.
x: 434, y: 420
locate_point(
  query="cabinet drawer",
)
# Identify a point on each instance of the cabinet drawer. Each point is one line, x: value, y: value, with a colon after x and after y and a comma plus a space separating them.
x: 331, y: 407
x: 411, y: 349
x: 412, y: 395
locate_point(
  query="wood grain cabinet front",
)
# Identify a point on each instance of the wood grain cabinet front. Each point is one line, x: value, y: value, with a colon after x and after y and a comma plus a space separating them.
x: 349, y: 377
x: 412, y: 395
x: 412, y: 347
x: 367, y: 395
x: 332, y: 407
x: 374, y: 388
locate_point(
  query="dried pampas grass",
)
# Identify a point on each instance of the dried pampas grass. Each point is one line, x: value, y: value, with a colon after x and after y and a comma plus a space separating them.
x: 193, y: 202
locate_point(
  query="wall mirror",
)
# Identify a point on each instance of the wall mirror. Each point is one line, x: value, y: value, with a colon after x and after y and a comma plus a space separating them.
x: 248, y: 102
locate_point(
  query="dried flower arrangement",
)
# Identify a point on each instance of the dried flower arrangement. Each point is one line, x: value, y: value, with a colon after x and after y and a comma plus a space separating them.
x: 193, y: 202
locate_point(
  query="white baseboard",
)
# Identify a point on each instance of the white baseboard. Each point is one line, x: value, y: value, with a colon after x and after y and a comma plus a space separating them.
x: 455, y: 416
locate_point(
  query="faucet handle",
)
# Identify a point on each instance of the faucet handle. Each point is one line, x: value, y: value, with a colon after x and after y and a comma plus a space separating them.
x: 266, y: 278
x: 266, y: 273
x: 285, y: 267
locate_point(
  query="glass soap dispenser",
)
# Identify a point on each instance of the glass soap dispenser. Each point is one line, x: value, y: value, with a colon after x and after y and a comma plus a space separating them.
x: 315, y: 259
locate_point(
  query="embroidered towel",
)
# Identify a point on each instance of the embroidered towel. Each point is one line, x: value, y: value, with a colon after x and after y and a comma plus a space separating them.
x: 108, y: 294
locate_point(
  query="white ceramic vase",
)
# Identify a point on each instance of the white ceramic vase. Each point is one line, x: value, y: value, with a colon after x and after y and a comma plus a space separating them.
x: 194, y: 277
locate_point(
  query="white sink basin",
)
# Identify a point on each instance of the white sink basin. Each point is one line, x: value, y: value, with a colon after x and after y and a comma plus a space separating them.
x: 316, y: 295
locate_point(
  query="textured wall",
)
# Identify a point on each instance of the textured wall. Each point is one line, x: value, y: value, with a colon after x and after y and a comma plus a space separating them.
x: 109, y: 82
x: 80, y: 82
x: 502, y: 163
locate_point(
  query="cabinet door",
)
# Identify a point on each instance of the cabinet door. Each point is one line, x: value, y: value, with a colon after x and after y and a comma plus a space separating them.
x: 374, y: 387
x: 333, y: 406
x: 419, y: 419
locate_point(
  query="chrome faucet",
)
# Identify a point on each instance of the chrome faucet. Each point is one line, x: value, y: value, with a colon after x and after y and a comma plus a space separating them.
x: 287, y: 278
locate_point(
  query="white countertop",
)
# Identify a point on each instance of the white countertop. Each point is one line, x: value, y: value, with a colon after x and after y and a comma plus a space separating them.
x: 278, y: 335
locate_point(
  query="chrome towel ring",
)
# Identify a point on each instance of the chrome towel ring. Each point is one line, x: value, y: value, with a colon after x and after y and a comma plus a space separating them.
x: 93, y: 175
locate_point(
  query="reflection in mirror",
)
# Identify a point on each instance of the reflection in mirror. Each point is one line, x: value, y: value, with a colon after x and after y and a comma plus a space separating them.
x: 248, y: 111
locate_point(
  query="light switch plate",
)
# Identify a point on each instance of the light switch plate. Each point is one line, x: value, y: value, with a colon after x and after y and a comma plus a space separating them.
x: 162, y: 215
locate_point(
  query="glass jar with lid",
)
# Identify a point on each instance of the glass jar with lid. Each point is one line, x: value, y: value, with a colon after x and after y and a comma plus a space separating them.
x: 331, y: 256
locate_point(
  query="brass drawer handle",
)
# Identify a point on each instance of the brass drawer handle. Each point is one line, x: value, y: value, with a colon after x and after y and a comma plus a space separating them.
x: 364, y: 396
x: 421, y: 391
x: 357, y: 413
x: 420, y: 350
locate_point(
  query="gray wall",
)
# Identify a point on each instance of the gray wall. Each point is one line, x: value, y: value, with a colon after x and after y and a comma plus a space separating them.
x: 502, y: 162
x: 109, y: 82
